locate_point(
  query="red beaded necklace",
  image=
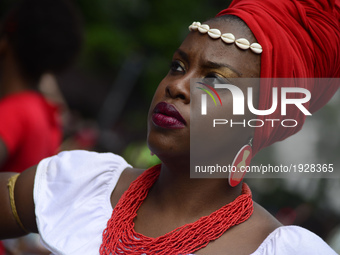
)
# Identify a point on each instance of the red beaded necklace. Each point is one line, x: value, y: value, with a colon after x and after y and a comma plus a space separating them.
x: 119, y: 236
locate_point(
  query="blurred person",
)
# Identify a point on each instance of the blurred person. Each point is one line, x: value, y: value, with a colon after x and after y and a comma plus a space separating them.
x: 96, y: 203
x: 36, y: 37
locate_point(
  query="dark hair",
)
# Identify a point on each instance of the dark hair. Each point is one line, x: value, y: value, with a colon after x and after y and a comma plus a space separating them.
x: 45, y: 35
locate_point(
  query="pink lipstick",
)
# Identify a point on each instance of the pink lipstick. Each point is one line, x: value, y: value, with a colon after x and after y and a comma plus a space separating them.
x: 166, y: 116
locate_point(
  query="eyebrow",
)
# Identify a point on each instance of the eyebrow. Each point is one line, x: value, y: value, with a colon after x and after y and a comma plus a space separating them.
x: 209, y: 64
x: 183, y: 55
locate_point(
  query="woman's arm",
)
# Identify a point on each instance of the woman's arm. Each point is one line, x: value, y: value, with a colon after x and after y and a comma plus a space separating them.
x: 23, y: 196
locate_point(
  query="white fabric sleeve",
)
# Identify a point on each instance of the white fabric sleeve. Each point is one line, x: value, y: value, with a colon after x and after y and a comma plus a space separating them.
x: 72, y: 193
x: 293, y: 240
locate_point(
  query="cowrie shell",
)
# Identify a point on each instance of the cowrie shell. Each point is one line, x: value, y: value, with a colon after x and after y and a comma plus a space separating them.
x: 242, y: 43
x: 256, y: 48
x: 214, y: 33
x: 203, y: 28
x: 228, y: 38
x: 194, y: 26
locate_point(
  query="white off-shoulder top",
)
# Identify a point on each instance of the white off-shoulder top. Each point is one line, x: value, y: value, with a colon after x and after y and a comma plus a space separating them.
x: 72, y: 205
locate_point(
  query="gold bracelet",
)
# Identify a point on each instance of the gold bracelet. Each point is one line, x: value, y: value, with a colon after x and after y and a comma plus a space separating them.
x: 11, y: 185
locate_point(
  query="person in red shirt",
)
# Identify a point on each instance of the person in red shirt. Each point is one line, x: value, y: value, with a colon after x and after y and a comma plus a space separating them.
x: 36, y: 37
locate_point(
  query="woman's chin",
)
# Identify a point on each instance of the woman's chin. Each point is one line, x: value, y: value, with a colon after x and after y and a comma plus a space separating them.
x: 167, y: 153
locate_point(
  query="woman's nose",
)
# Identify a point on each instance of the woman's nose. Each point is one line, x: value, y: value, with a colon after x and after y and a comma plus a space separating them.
x: 179, y: 89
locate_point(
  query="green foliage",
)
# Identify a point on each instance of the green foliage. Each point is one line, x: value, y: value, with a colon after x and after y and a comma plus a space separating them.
x: 116, y: 29
x: 138, y: 155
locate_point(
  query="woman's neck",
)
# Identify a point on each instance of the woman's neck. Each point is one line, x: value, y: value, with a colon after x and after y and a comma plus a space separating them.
x: 175, y: 190
x: 11, y: 80
x: 12, y: 86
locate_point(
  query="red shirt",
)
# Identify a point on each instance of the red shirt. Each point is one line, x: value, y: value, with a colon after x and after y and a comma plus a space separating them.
x: 2, y: 250
x: 30, y: 129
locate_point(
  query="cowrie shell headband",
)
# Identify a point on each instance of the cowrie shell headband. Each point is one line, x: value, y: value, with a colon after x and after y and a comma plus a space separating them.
x: 228, y: 38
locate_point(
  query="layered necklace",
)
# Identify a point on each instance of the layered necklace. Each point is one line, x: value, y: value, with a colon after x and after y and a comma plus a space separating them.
x: 119, y: 236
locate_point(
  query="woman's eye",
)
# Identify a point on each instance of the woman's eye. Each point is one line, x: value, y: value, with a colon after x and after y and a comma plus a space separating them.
x: 216, y: 79
x: 176, y: 66
x: 213, y: 79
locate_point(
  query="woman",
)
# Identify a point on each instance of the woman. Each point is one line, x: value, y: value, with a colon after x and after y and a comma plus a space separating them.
x: 162, y: 210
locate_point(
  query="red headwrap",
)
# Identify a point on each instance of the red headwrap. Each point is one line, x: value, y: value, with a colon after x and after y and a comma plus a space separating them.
x: 300, y: 39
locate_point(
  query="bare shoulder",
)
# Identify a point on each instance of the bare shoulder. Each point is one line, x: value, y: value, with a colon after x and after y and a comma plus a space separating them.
x: 257, y: 227
x: 125, y: 179
x: 262, y: 222
x: 246, y: 237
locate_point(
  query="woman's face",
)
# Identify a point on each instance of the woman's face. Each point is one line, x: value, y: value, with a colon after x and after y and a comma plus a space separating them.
x: 199, y: 56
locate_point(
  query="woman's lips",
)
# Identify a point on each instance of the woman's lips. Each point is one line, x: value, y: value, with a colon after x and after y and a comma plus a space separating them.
x: 166, y: 116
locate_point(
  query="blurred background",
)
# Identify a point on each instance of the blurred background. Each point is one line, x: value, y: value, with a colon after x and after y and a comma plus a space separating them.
x: 106, y: 95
